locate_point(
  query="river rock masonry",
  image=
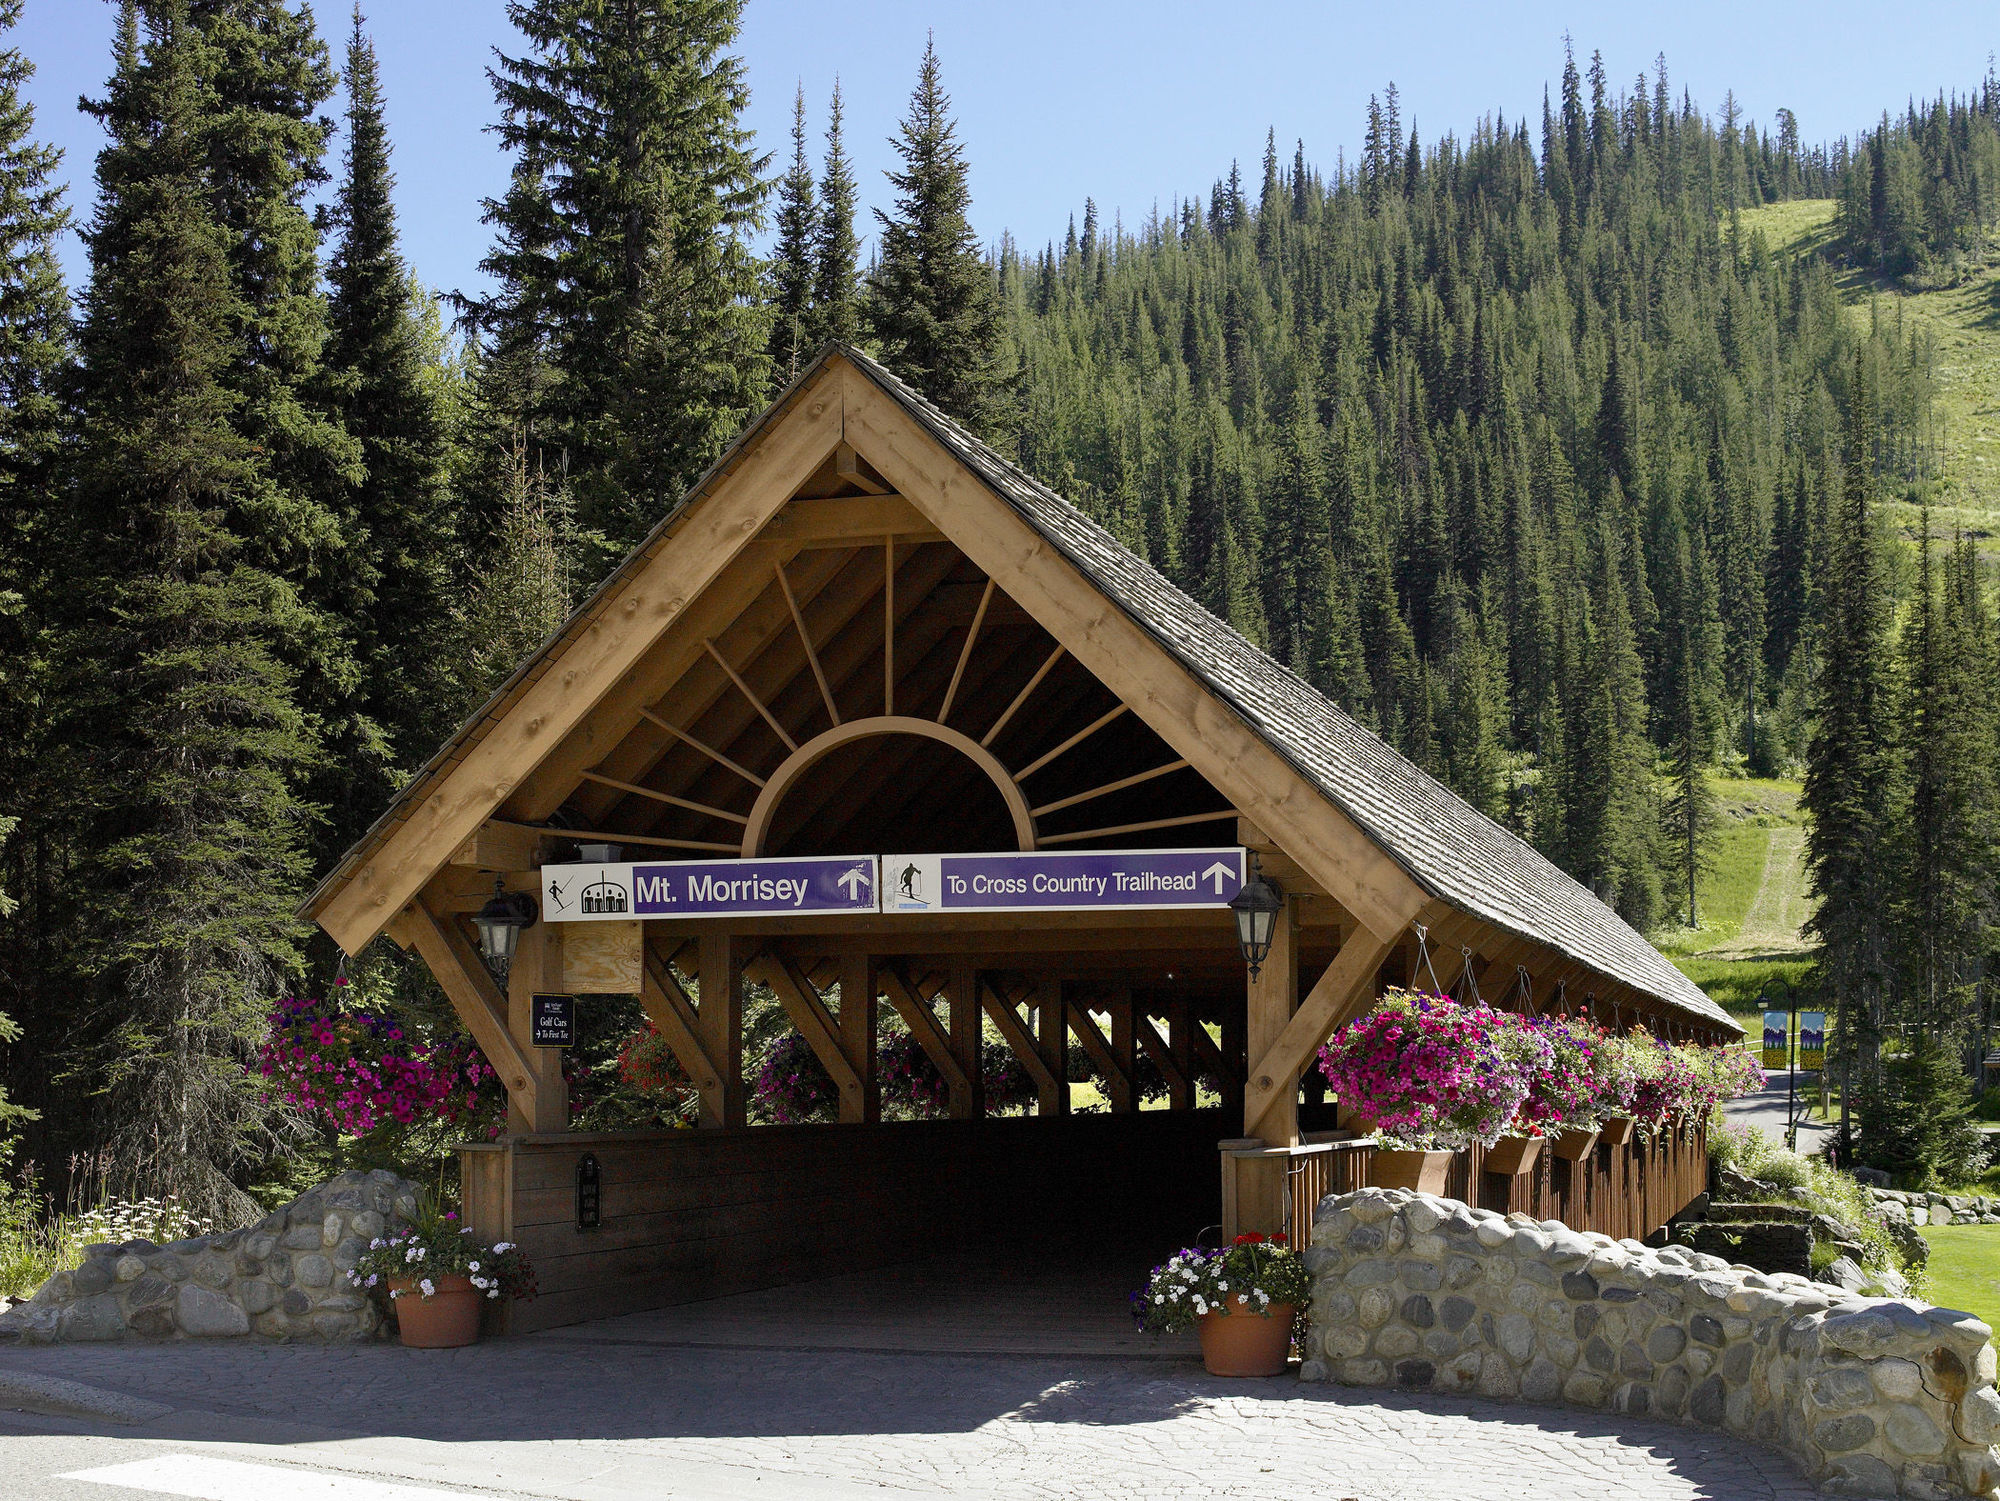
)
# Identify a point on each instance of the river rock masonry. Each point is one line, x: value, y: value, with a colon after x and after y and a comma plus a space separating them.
x: 284, y: 1277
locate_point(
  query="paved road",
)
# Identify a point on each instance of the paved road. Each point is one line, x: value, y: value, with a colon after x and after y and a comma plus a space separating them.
x: 1766, y: 1111
x: 575, y: 1418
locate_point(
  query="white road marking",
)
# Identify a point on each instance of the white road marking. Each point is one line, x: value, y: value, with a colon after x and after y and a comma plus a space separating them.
x: 205, y: 1478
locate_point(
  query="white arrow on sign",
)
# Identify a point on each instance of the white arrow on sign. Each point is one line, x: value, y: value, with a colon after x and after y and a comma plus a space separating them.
x: 1217, y: 872
x: 857, y: 878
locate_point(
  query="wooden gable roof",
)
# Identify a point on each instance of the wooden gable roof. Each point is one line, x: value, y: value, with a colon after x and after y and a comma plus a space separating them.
x: 1390, y: 841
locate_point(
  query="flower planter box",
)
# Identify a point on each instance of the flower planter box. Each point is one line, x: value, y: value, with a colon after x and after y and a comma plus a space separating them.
x: 1426, y: 1172
x: 446, y: 1320
x: 1512, y: 1156
x: 1573, y: 1146
x: 1616, y: 1131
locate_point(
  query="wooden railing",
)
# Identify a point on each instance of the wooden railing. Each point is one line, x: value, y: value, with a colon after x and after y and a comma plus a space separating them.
x: 1626, y: 1191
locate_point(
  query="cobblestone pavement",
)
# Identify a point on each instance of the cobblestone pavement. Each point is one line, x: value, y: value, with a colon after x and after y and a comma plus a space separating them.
x: 898, y: 1422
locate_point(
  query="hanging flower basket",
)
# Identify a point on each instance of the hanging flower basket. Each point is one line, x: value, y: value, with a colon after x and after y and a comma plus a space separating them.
x: 1512, y: 1156
x: 1616, y: 1131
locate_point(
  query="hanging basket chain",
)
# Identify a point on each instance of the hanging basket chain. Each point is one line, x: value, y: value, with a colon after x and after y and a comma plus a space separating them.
x: 1424, y: 959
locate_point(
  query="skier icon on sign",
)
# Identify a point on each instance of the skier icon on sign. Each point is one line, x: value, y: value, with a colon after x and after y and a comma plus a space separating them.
x: 911, y: 883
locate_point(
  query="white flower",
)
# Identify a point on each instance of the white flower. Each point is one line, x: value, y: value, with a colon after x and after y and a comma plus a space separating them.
x: 472, y: 1266
x: 375, y: 1244
x: 1159, y: 1298
x: 493, y: 1292
x: 505, y: 1245
x: 428, y: 1287
x: 1223, y: 1285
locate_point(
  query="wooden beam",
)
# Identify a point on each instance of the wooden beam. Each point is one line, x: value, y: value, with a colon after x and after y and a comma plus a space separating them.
x: 1117, y: 1075
x: 965, y: 652
x: 1108, y: 788
x: 1014, y: 1032
x: 889, y: 625
x: 462, y: 975
x: 847, y: 464
x: 1051, y: 1002
x: 1123, y: 656
x: 674, y: 1017
x: 806, y: 642
x: 665, y: 797
x: 1077, y: 739
x: 1336, y: 995
x: 690, y: 552
x: 1273, y: 993
x: 967, y: 1041
x: 1137, y: 828
x: 719, y: 1025
x: 744, y: 688
x: 619, y: 836
x: 1021, y: 698
x: 809, y: 1015
x: 503, y: 846
x: 923, y: 1025
x: 1180, y: 1085
x: 704, y: 747
x: 857, y: 1036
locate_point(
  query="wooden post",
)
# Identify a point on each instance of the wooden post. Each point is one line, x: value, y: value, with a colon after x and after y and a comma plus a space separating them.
x: 863, y: 1102
x: 1124, y: 1047
x: 719, y: 1024
x: 1052, y: 1042
x: 1183, y: 1095
x: 1235, y: 1060
x: 967, y: 1103
x: 538, y: 965
x: 1272, y: 997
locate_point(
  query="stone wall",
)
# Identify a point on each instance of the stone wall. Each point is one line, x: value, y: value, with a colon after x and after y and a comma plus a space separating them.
x: 1870, y: 1396
x: 284, y: 1277
x: 1936, y: 1209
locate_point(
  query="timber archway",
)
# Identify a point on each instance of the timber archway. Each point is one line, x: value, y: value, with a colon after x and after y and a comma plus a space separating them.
x: 794, y: 769
x: 864, y: 634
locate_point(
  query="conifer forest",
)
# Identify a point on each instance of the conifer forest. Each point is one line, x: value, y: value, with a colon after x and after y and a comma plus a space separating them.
x: 1520, y: 438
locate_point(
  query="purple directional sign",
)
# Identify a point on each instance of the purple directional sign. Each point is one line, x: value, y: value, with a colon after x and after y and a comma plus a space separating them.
x: 708, y: 888
x: 1082, y: 881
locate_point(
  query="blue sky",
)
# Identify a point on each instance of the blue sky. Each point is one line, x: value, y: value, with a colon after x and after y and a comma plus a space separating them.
x: 1129, y: 101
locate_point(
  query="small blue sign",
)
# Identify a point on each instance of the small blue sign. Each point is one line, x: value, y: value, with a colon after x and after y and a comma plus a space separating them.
x: 1043, y: 881
x: 708, y: 888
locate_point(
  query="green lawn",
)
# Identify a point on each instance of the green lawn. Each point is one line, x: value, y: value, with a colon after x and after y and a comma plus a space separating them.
x: 1964, y: 1270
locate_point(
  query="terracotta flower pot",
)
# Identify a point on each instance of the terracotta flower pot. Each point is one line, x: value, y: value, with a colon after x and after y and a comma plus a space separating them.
x: 448, y: 1318
x: 1616, y: 1131
x: 1573, y: 1146
x: 1511, y: 1156
x: 1424, y: 1171
x: 1244, y: 1342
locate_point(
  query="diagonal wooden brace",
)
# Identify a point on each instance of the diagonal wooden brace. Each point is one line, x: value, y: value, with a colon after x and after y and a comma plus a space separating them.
x: 923, y: 1024
x: 668, y: 1008
x: 1015, y: 1032
x: 1118, y: 1082
x: 1180, y: 1087
x: 462, y: 974
x: 808, y: 1012
x: 1339, y: 992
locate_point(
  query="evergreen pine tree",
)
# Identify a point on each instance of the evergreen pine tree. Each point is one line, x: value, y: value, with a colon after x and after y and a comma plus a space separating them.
x: 836, y: 251
x: 628, y: 340
x: 380, y: 382
x: 932, y: 305
x: 185, y: 741
x: 792, y: 265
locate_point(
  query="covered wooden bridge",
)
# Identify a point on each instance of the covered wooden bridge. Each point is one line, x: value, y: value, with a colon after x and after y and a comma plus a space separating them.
x: 864, y: 635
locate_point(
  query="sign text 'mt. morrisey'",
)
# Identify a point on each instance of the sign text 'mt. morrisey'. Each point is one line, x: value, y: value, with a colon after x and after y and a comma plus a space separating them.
x: 708, y: 888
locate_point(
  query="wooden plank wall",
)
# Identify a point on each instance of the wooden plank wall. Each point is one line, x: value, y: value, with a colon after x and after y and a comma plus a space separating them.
x: 702, y: 1214
x: 1626, y: 1192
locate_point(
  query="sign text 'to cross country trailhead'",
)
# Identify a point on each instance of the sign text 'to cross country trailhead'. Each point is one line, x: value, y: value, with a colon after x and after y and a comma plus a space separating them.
x: 1000, y: 881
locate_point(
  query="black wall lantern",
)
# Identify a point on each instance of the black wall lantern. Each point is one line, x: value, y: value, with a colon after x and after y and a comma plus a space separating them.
x: 500, y: 922
x: 1256, y: 907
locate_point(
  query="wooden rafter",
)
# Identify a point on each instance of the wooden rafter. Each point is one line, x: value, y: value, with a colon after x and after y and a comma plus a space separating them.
x: 965, y: 652
x: 806, y: 642
x: 1021, y: 698
x: 1075, y: 740
x: 705, y: 809
x: 449, y: 955
x: 703, y: 746
x: 889, y: 624
x: 755, y: 702
x: 1137, y: 828
x: 1335, y: 995
x: 847, y: 464
x: 1108, y: 788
